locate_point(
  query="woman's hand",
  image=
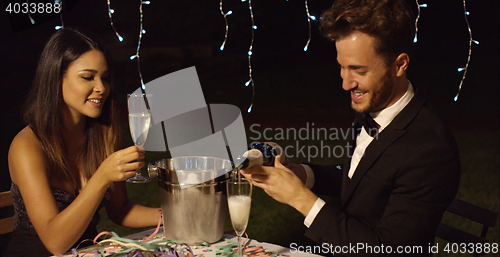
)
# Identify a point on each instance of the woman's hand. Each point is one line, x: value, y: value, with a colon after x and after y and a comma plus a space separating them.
x: 121, y: 165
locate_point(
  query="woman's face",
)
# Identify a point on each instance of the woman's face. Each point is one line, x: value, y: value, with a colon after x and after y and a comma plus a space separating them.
x: 86, y: 85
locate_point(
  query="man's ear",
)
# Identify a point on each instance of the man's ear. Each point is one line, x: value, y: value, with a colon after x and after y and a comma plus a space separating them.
x: 401, y: 64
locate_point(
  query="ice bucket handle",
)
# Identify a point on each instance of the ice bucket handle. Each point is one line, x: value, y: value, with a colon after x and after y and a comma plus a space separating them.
x: 152, y: 170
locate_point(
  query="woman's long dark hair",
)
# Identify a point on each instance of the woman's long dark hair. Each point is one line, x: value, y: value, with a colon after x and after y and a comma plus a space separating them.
x: 43, y: 109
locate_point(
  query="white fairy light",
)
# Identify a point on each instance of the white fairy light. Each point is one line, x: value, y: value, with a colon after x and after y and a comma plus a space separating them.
x: 249, y: 53
x: 416, y: 20
x: 110, y: 14
x: 60, y: 2
x: 227, y: 25
x: 309, y: 18
x: 29, y: 13
x: 136, y: 55
x: 464, y: 69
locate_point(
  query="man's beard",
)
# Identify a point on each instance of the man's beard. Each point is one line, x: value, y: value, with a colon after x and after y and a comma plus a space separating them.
x: 379, y: 97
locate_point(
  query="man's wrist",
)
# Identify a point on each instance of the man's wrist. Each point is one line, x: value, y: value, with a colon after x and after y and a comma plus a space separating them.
x: 305, y: 203
x: 318, y: 205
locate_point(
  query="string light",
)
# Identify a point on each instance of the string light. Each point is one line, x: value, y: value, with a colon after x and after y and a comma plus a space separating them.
x: 227, y: 26
x: 110, y: 14
x: 250, y: 80
x: 29, y: 13
x: 309, y: 18
x: 464, y: 69
x: 471, y: 40
x: 136, y: 55
x: 416, y: 20
x: 254, y: 27
x: 60, y: 2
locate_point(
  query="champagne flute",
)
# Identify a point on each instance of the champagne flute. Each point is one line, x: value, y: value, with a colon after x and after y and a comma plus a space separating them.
x: 239, y: 199
x: 139, y: 118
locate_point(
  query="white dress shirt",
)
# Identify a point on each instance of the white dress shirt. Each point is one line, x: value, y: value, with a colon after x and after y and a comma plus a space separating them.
x: 383, y: 119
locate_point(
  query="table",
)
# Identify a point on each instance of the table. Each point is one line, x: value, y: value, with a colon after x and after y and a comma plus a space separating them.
x: 211, y: 250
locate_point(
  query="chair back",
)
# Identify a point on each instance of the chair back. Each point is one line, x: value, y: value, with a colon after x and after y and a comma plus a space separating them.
x: 6, y: 224
x: 487, y: 218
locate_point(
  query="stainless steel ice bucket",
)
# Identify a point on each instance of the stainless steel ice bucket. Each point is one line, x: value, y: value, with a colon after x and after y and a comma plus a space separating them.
x: 193, y: 213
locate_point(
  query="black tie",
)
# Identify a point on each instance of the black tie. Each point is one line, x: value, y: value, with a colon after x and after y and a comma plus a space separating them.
x: 369, y: 124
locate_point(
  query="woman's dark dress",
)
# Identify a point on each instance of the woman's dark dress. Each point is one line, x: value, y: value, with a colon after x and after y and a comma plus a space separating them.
x: 25, y: 241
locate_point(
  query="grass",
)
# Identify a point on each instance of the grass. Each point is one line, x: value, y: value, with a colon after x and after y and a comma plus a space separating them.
x: 274, y: 222
x: 479, y: 183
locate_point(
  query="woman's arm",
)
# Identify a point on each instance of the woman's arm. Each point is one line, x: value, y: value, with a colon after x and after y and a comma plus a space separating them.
x: 30, y: 171
x: 125, y: 213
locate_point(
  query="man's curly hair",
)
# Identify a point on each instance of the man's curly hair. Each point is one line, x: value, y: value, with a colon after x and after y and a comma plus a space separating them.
x: 391, y: 22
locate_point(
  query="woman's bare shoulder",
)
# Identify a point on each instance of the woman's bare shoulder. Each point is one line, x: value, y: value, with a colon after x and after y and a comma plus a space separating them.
x: 26, y: 154
x: 25, y: 140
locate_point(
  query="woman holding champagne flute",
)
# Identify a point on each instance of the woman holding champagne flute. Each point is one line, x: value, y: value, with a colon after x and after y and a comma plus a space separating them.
x: 65, y: 164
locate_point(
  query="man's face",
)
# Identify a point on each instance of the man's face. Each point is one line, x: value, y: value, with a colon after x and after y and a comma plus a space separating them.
x: 365, y: 74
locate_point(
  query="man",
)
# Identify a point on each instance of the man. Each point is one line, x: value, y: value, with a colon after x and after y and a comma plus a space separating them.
x: 403, y: 173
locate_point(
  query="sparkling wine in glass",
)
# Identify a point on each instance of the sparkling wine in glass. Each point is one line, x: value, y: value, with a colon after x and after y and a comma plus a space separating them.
x: 239, y: 199
x: 139, y: 118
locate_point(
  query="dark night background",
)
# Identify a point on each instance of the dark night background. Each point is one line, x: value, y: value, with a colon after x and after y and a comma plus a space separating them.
x: 289, y: 83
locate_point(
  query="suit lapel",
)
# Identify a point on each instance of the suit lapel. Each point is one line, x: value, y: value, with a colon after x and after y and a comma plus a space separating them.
x: 391, y: 133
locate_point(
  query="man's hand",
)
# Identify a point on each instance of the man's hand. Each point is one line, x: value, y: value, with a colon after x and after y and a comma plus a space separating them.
x: 296, y: 168
x: 283, y: 185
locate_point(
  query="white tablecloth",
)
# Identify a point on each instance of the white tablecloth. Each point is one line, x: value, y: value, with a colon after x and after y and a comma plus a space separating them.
x: 211, y: 250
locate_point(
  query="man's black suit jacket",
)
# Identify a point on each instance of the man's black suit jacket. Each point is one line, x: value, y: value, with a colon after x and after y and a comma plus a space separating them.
x: 406, y: 179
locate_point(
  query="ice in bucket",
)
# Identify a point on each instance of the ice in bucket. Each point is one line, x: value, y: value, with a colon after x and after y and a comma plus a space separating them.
x: 194, y: 211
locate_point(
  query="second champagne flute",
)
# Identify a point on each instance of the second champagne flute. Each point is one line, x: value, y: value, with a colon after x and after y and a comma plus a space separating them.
x: 139, y: 118
x: 239, y: 199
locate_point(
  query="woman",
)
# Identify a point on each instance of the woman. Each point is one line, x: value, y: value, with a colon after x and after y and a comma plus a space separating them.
x: 64, y: 165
